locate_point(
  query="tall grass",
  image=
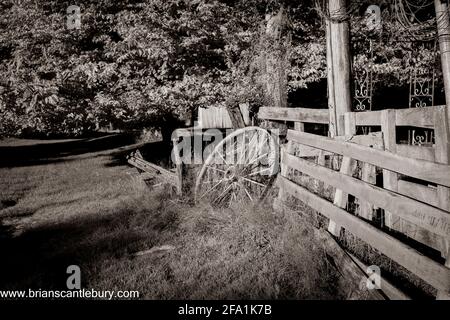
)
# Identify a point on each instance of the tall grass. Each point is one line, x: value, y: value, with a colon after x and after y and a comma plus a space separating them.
x: 96, y: 213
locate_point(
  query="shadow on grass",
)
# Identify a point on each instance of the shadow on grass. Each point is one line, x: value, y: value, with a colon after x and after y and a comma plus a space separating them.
x: 155, y: 152
x: 45, y: 153
x: 38, y: 259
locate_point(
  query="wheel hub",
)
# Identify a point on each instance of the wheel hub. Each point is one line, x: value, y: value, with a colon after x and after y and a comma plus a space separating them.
x: 231, y: 173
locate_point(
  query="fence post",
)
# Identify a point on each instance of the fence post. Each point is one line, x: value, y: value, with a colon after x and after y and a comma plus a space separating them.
x: 338, y: 55
x: 178, y: 165
x: 332, y: 127
x: 442, y: 151
x: 443, y: 28
x: 348, y: 166
x: 390, y: 179
x: 369, y: 175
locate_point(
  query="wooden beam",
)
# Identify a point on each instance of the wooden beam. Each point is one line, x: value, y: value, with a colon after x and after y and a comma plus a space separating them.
x: 392, y: 292
x: 159, y: 172
x: 424, y: 170
x: 294, y: 114
x: 373, y: 140
x: 421, y: 214
x: 417, y: 191
x: 347, y: 268
x: 309, y: 152
x: 390, y: 178
x: 427, y: 195
x: 442, y: 137
x: 178, y: 165
x: 443, y: 28
x: 414, y: 117
x: 430, y: 271
x: 236, y: 117
x: 348, y: 166
x: 368, y: 118
x: 416, y: 152
x: 368, y: 175
x: 442, y: 149
x: 332, y: 127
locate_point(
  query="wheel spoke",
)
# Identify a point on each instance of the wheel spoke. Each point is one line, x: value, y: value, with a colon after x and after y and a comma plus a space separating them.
x: 232, y: 148
x: 220, y: 154
x: 245, y: 178
x: 258, y: 172
x: 215, y: 180
x: 250, y: 144
x: 254, y: 182
x: 261, y: 156
x: 215, y: 186
x: 248, y: 194
x: 222, y: 194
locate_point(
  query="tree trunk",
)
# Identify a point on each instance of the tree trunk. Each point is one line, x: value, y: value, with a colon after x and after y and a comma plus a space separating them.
x: 340, y: 60
x: 275, y: 62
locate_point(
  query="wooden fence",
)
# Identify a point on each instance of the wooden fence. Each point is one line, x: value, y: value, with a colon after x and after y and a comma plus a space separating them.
x: 413, y: 191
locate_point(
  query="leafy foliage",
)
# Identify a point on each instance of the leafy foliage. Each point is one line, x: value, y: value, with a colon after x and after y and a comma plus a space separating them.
x: 134, y: 63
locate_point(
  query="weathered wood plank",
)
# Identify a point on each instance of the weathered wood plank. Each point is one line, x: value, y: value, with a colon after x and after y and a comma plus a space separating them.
x: 341, y: 60
x: 294, y: 114
x: 392, y: 292
x: 332, y: 126
x: 221, y: 117
x: 373, y: 140
x: 390, y: 178
x: 442, y: 135
x: 421, y: 214
x: 442, y: 126
x: 352, y: 273
x: 368, y: 118
x: 420, y: 169
x: 416, y: 117
x: 348, y: 166
x: 190, y: 132
x: 430, y: 271
x: 179, y: 165
x: 417, y: 191
x: 416, y: 152
x: 369, y: 175
x: 159, y: 172
x: 307, y: 151
x: 442, y: 150
x: 299, y: 126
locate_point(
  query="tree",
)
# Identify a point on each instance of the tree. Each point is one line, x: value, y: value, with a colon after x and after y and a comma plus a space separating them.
x: 138, y: 63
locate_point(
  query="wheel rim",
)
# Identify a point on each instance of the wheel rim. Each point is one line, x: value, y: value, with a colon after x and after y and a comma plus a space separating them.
x: 240, y: 167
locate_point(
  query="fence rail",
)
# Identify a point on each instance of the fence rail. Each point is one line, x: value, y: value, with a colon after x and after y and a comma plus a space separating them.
x: 414, y: 191
x: 415, y: 117
x: 420, y: 169
x: 430, y: 271
x: 295, y: 115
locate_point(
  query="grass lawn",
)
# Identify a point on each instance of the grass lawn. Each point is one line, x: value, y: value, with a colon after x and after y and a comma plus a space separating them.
x: 89, y: 208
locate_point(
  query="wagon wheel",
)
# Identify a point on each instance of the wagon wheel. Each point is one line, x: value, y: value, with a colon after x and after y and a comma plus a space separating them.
x: 241, y: 167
